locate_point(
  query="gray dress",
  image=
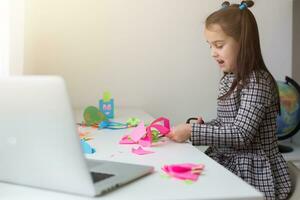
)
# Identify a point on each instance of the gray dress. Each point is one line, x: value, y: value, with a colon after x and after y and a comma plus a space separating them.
x: 243, y: 136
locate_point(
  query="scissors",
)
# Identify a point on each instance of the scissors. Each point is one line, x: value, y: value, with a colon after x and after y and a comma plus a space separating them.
x: 188, y: 121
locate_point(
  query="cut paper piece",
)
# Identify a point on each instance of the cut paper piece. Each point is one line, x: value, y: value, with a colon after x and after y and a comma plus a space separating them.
x: 87, y: 149
x: 140, y: 151
x: 87, y: 138
x: 163, y: 129
x: 188, y: 182
x: 135, y: 137
x: 126, y: 140
x: 138, y: 132
x: 146, y: 136
x: 145, y: 142
x: 112, y: 125
x: 132, y: 122
x: 185, y: 171
x: 165, y: 176
x: 83, y: 125
x: 93, y: 116
x: 83, y: 134
x: 106, y: 105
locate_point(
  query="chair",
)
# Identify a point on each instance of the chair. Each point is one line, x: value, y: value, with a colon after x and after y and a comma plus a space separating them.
x: 295, y: 179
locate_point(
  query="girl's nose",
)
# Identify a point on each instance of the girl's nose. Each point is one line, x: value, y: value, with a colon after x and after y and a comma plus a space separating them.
x: 213, y: 53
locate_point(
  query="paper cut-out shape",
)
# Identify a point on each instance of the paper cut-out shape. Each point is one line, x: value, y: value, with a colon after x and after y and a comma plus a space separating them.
x: 93, y: 116
x: 145, y: 141
x: 86, y: 147
x: 140, y: 151
x: 106, y: 105
x: 113, y: 125
x: 132, y: 122
x: 126, y: 140
x: 146, y: 136
x: 185, y: 171
x: 83, y: 134
x: 138, y: 132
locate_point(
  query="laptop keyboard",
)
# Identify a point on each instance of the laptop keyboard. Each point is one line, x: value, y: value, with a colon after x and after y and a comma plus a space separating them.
x: 97, y: 176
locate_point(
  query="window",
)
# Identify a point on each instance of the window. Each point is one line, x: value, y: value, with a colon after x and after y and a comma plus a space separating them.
x: 11, y: 37
x: 4, y: 37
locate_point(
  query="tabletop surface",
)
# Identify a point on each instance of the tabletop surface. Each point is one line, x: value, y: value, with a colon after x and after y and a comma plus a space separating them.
x: 215, y: 182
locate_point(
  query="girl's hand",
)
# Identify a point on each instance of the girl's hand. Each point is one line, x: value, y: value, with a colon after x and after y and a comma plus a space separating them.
x: 197, y: 120
x: 200, y: 120
x: 180, y: 133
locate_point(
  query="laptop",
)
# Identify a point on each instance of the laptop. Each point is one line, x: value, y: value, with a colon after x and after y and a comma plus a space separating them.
x: 39, y: 144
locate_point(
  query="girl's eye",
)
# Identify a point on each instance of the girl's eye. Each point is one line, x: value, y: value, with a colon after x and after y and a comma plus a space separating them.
x: 219, y: 46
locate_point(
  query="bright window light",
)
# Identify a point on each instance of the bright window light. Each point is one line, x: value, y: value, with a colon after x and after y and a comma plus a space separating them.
x: 4, y: 37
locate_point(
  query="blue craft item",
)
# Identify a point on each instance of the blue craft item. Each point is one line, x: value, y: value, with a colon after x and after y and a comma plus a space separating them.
x: 106, y: 105
x: 87, y: 149
x: 112, y: 125
x: 243, y: 6
x: 103, y: 124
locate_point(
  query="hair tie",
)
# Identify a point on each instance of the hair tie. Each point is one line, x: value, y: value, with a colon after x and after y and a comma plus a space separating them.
x: 243, y: 6
x: 225, y: 5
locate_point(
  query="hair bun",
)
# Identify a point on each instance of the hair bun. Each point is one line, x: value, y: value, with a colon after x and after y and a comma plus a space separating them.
x: 248, y: 3
x: 225, y: 4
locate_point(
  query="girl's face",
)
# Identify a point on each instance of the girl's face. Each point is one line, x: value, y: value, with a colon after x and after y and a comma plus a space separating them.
x: 224, y: 49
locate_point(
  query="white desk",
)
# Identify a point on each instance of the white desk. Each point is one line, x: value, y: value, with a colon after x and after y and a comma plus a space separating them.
x: 293, y: 156
x: 215, y: 183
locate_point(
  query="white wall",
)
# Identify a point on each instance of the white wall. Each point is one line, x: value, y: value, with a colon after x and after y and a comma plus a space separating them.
x: 274, y: 19
x: 149, y: 54
x: 296, y: 52
x: 296, y: 41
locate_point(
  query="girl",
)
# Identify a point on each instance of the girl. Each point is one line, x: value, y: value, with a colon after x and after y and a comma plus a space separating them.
x: 242, y: 137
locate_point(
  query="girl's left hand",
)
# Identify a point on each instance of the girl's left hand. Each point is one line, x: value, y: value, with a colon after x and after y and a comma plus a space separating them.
x: 180, y: 133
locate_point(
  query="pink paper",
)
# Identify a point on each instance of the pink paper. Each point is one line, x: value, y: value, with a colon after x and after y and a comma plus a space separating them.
x: 163, y: 129
x: 185, y: 171
x: 143, y: 135
x: 145, y: 142
x: 126, y: 140
x: 140, y: 151
x: 138, y: 132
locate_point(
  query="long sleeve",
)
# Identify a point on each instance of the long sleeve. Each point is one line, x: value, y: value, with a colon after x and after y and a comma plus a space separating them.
x: 214, y: 122
x: 253, y: 101
x: 245, y: 142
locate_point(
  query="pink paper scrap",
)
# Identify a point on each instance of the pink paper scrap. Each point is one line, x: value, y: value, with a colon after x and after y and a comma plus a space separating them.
x: 138, y: 132
x: 126, y: 140
x: 185, y: 171
x: 143, y: 135
x: 140, y: 151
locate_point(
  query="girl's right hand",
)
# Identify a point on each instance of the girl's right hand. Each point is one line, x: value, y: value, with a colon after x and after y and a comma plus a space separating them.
x: 180, y: 133
x: 200, y: 120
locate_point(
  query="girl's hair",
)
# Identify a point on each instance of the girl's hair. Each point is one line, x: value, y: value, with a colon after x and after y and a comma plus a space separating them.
x: 238, y: 22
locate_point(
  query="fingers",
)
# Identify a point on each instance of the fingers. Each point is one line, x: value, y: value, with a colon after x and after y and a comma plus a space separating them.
x: 200, y: 120
x: 172, y: 136
x: 180, y: 133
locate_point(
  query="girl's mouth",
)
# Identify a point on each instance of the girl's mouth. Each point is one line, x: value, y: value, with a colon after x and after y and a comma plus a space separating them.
x: 220, y: 62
